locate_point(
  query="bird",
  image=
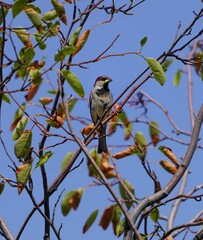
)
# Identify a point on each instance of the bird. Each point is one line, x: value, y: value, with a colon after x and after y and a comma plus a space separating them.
x: 100, y: 100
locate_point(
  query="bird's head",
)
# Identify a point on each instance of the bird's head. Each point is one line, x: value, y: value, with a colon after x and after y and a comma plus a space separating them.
x: 102, y: 82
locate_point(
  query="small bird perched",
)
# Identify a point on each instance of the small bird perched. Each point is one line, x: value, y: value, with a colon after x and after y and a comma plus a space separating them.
x: 100, y: 100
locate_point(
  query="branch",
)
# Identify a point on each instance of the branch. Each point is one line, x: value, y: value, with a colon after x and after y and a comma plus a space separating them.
x: 176, y: 178
x: 5, y: 230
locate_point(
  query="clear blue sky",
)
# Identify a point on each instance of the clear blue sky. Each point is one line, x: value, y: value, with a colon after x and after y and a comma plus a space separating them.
x: 156, y: 19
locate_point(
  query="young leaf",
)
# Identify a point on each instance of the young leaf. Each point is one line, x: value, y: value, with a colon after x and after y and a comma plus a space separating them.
x: 22, y: 175
x: 18, y: 7
x: 154, y: 132
x: 143, y: 41
x: 74, y: 82
x: 66, y: 160
x: 22, y: 146
x: 177, y: 77
x: 43, y: 159
x: 19, y: 128
x: 90, y: 221
x: 60, y: 10
x: 157, y: 70
x: 154, y: 215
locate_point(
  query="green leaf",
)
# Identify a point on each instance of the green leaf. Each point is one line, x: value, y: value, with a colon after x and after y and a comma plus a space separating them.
x: 34, y: 17
x: 116, y: 217
x: 154, y: 132
x: 141, y: 139
x: 125, y: 195
x: 22, y: 146
x: 143, y: 41
x: 74, y: 82
x: 74, y: 36
x: 142, y: 145
x: 177, y: 77
x: 19, y: 128
x: 71, y: 200
x: 40, y: 40
x: 26, y: 54
x: 18, y: 115
x: 154, y: 215
x: 43, y: 159
x: 35, y: 76
x: 166, y: 64
x: 24, y: 36
x: 157, y: 70
x: 66, y: 160
x: 59, y: 56
x: 22, y: 175
x: 5, y: 98
x: 90, y: 221
x: 120, y: 228
x: 60, y: 10
x: 49, y: 16
x: 80, y: 43
x: 65, y: 206
x: 18, y: 7
x: 71, y: 104
x: 92, y: 171
x: 66, y: 50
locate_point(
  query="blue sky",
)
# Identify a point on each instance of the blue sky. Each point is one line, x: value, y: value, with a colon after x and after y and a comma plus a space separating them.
x: 158, y: 20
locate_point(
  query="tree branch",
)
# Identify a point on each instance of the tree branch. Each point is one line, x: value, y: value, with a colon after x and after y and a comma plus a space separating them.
x: 176, y: 178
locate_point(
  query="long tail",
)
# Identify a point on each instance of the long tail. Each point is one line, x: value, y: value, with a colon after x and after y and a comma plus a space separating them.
x: 102, y: 147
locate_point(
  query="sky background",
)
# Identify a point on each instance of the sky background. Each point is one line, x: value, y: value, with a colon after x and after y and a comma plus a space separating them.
x: 156, y: 19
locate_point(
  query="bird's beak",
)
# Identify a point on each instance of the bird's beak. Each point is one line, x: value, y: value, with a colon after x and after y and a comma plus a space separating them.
x: 108, y: 80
